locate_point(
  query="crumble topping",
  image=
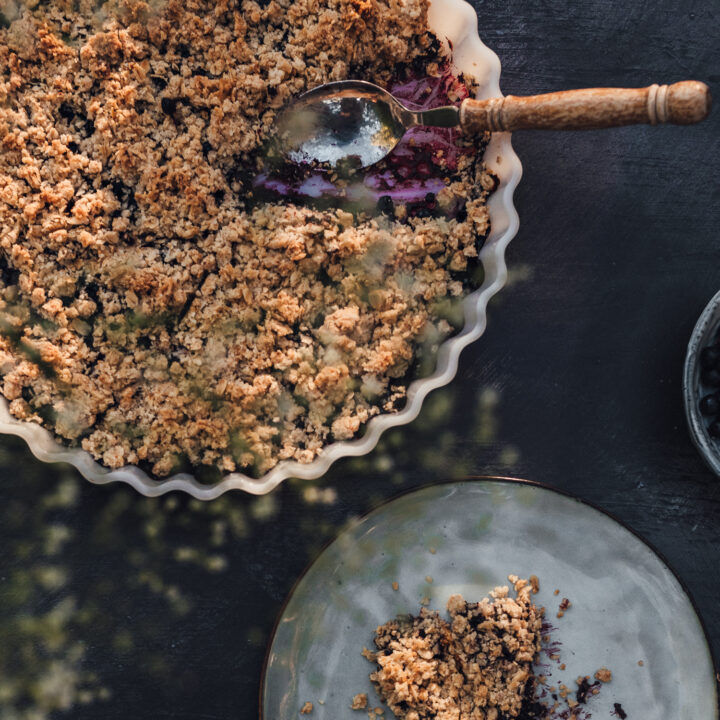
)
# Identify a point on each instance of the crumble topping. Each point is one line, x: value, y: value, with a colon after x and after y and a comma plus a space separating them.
x: 476, y: 666
x: 603, y: 675
x: 153, y: 309
x: 481, y: 664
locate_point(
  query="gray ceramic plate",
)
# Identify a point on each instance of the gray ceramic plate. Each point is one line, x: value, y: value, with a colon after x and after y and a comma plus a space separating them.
x: 627, y: 605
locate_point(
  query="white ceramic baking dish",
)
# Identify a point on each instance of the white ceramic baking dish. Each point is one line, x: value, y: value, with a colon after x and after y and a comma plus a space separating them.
x: 455, y: 22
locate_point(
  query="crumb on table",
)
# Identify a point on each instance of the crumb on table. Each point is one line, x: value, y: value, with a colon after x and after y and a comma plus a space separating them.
x: 307, y: 708
x: 359, y: 702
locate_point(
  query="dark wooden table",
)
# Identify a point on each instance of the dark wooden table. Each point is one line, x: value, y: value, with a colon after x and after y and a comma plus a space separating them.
x: 114, y: 606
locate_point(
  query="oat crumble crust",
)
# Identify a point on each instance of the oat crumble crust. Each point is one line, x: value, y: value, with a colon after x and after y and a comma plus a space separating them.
x: 477, y: 666
x: 149, y: 311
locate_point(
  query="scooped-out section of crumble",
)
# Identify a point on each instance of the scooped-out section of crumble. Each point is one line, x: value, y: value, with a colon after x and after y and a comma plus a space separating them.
x: 171, y: 297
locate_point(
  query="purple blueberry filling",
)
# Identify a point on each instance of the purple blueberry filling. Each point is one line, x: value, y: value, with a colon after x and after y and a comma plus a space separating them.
x: 414, y: 172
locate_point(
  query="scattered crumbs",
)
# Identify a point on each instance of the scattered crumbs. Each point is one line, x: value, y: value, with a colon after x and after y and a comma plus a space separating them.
x: 556, y: 592
x: 640, y: 663
x: 603, y: 675
x: 321, y: 702
x: 307, y: 708
x: 541, y: 679
x: 619, y: 711
x: 535, y: 584
x: 395, y: 586
x: 425, y: 601
x: 564, y: 605
x: 379, y: 711
x: 359, y: 702
x: 428, y: 579
x: 432, y: 550
x: 562, y: 666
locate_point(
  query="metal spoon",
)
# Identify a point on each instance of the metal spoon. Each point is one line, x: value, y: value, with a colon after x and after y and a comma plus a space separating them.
x: 358, y: 123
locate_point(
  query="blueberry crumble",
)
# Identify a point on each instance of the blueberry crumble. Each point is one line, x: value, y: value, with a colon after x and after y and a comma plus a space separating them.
x: 173, y: 296
x: 491, y: 660
x: 476, y: 666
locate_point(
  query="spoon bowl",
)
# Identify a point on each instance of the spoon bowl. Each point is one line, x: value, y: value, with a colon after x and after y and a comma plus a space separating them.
x: 350, y: 123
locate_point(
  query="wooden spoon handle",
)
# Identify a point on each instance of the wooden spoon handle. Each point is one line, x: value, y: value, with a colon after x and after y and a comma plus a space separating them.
x: 683, y: 103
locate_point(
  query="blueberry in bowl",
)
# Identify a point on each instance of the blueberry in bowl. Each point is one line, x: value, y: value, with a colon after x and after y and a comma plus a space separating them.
x: 701, y: 384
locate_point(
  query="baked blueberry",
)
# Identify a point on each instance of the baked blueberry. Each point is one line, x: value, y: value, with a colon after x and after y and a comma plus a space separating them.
x: 168, y: 105
x: 386, y: 205
x: 67, y: 111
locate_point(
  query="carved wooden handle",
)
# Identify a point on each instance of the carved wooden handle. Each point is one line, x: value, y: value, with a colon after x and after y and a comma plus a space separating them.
x: 683, y: 103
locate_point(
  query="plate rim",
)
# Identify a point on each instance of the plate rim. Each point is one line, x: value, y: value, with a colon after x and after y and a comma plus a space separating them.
x: 714, y: 661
